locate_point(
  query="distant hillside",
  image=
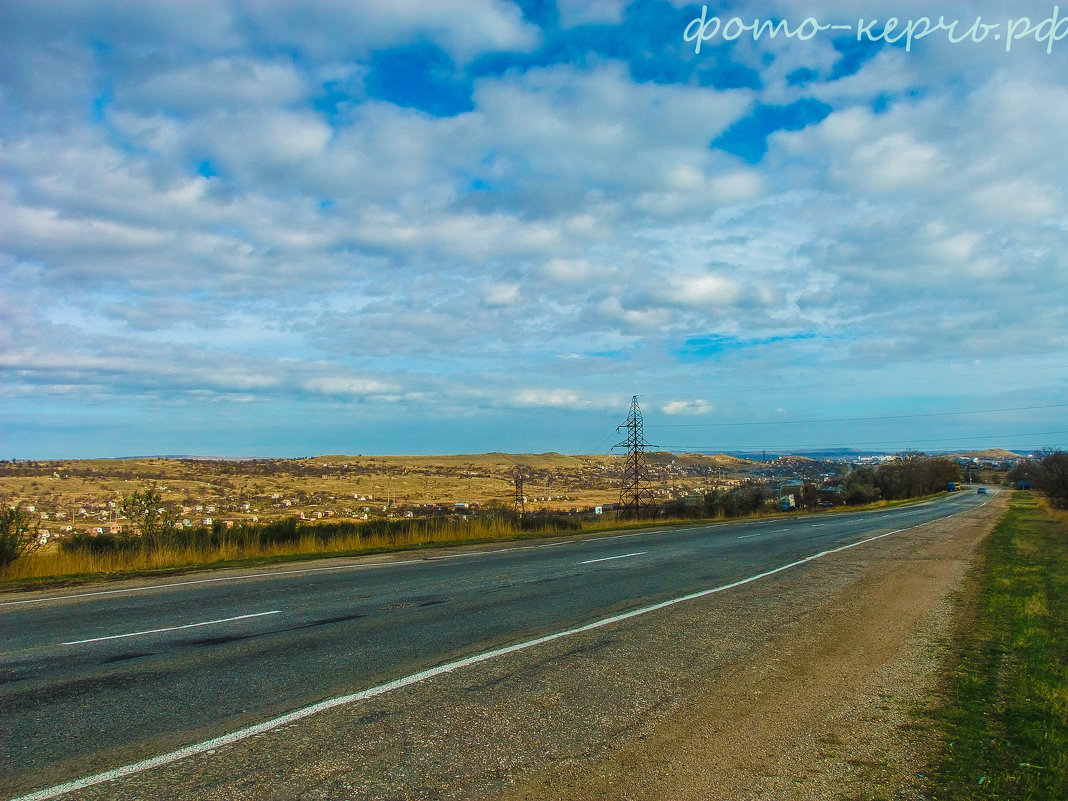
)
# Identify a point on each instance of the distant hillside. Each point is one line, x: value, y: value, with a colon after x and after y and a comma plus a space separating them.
x: 990, y: 453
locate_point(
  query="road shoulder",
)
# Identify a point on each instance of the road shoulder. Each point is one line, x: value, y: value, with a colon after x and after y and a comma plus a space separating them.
x: 824, y: 707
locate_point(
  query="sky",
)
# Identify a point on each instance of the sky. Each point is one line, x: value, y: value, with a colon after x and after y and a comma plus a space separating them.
x: 280, y: 228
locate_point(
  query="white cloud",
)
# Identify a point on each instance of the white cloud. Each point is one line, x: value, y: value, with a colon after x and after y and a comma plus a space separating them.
x: 599, y: 131
x: 1029, y: 200
x: 189, y: 211
x: 697, y: 406
x: 502, y: 294
x: 464, y: 28
x: 232, y: 82
x: 552, y: 398
x: 891, y: 163
x: 703, y: 290
x: 570, y: 270
x: 341, y: 385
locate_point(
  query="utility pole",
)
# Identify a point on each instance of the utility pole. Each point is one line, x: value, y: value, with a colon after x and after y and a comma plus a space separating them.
x: 634, y: 491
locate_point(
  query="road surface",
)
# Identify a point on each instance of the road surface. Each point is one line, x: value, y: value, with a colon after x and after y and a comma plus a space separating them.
x: 107, y: 676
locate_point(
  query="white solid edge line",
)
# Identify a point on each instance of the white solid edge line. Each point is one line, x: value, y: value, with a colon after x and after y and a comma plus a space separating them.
x: 608, y: 558
x: 172, y: 628
x: 209, y: 581
x: 358, y: 566
x: 415, y: 678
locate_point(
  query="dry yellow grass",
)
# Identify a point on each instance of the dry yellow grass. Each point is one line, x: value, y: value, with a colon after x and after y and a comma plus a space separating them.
x: 1060, y: 515
x: 55, y: 562
x: 51, y: 561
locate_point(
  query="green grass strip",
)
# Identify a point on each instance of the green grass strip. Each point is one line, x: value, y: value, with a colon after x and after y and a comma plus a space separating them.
x: 1005, y: 717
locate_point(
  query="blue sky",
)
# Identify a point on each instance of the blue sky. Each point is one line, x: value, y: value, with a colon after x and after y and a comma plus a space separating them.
x: 282, y: 228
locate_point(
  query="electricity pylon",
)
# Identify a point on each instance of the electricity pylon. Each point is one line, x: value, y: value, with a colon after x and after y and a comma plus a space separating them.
x: 634, y: 494
x: 520, y: 496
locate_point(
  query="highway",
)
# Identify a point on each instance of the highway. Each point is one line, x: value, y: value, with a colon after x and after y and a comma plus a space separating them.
x: 101, y: 676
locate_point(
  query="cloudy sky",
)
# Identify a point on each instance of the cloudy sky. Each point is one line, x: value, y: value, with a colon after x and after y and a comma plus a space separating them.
x: 396, y: 226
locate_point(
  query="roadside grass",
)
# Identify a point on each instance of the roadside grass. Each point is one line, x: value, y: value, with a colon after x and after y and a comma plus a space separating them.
x: 54, y: 566
x: 56, y: 562
x: 1004, y: 717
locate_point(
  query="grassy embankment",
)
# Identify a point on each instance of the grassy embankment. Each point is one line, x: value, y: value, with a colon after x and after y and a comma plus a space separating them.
x: 54, y: 563
x: 1005, y: 714
x: 313, y: 541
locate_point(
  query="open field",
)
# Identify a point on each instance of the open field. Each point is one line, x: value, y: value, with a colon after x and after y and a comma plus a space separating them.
x: 86, y: 495
x: 91, y: 491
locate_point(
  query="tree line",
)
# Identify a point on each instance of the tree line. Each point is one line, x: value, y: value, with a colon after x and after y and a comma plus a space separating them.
x: 912, y: 475
x: 1047, y: 473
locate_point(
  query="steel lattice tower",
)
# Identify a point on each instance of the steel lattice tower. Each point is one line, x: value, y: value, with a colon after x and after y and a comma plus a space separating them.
x: 520, y: 496
x: 634, y: 492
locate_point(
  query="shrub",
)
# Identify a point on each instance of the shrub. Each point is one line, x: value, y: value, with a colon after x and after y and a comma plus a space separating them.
x: 18, y: 535
x: 1053, y: 477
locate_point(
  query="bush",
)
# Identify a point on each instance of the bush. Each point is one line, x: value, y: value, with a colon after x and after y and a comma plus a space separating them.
x: 745, y: 500
x: 859, y: 486
x: 18, y: 535
x: 1053, y: 477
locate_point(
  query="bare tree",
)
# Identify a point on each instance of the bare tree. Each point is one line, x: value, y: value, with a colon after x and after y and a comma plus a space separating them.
x: 1053, y: 477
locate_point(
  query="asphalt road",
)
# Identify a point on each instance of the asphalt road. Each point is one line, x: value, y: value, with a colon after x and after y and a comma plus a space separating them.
x: 107, y: 675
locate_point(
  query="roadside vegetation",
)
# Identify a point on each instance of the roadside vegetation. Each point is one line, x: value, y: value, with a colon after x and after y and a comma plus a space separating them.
x: 18, y: 535
x: 154, y: 538
x: 1048, y: 473
x: 1005, y: 713
x: 280, y: 540
x: 912, y: 475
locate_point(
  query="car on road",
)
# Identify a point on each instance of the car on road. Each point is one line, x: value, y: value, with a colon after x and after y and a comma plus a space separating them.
x: 981, y: 491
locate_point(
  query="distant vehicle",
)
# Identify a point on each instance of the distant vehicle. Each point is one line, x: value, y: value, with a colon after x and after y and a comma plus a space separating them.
x: 981, y: 491
x: 826, y: 503
x: 952, y: 486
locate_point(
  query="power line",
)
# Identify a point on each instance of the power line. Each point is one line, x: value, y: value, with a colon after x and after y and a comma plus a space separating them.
x: 857, y: 419
x: 1027, y: 370
x: 904, y: 442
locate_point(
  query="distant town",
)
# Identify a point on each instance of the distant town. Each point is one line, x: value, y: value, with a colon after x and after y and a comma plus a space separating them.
x: 69, y: 497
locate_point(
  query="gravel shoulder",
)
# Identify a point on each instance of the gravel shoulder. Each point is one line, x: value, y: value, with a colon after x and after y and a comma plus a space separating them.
x: 803, y: 685
x: 825, y: 705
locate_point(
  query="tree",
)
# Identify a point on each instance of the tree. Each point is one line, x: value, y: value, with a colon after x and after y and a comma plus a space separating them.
x: 18, y: 535
x: 1026, y: 470
x: 913, y: 474
x: 859, y: 486
x: 1053, y: 477
x: 145, y: 510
